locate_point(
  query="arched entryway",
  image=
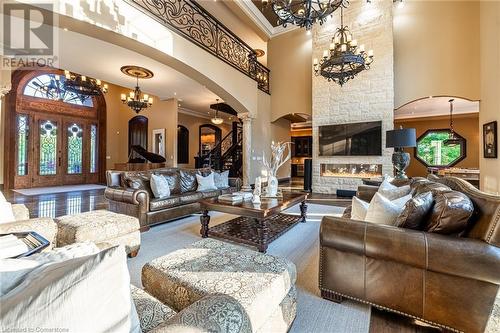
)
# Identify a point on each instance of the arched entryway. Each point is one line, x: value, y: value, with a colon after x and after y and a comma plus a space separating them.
x: 52, y: 139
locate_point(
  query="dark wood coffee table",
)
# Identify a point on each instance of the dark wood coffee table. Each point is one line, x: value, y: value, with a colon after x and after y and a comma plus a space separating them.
x: 256, y: 225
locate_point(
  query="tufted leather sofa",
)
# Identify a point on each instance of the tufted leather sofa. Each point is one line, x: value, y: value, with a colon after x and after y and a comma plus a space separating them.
x: 129, y: 193
x: 447, y: 281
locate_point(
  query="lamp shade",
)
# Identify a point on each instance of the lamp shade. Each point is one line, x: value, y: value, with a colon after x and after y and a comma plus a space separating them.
x: 400, y: 138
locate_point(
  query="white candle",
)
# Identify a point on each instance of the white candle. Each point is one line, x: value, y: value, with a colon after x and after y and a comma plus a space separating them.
x: 150, y: 101
x: 343, y: 48
x: 123, y: 97
x: 325, y: 54
x: 131, y: 94
x: 98, y: 82
x: 146, y: 97
x: 362, y: 48
x: 370, y: 53
x: 332, y: 46
x: 84, y: 78
x: 315, y: 61
x: 354, y: 43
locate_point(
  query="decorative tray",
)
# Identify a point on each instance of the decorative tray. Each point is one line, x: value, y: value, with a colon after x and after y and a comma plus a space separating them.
x: 34, y: 241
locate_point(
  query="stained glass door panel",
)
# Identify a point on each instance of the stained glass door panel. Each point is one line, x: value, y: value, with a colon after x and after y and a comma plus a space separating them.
x: 75, y: 157
x: 47, y: 156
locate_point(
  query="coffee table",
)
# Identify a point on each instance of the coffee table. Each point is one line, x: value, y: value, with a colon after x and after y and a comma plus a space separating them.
x: 256, y: 225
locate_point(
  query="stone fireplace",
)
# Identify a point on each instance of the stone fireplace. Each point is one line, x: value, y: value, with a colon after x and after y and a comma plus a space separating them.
x: 350, y: 170
x: 368, y: 97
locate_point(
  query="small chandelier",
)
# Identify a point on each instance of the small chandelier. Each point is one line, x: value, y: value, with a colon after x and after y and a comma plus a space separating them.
x: 136, y: 100
x: 83, y: 86
x: 217, y: 120
x: 345, y: 59
x: 453, y: 140
x: 303, y: 13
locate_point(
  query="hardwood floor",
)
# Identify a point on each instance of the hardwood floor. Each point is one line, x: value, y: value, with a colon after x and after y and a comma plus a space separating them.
x: 58, y: 204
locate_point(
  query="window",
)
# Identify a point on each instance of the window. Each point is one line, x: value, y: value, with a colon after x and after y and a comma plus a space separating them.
x: 48, y: 148
x: 432, y: 151
x: 22, y: 144
x: 51, y: 86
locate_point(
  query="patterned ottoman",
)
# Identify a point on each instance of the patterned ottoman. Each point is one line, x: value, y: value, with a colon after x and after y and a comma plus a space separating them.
x: 263, y: 284
x: 102, y: 227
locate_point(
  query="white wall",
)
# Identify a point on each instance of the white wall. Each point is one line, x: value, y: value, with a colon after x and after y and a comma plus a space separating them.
x: 368, y: 97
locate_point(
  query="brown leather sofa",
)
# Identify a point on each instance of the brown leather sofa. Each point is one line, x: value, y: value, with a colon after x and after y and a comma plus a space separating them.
x: 447, y: 281
x: 129, y: 193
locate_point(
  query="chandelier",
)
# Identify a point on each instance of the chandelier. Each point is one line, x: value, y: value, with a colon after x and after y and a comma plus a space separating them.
x: 136, y: 100
x: 216, y: 120
x: 345, y: 59
x: 453, y: 139
x: 303, y: 13
x: 83, y: 86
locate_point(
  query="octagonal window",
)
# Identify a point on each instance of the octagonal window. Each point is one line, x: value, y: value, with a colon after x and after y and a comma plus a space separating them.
x: 433, y: 151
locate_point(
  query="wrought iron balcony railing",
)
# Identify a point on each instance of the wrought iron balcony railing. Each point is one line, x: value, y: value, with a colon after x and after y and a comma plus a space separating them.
x: 194, y: 23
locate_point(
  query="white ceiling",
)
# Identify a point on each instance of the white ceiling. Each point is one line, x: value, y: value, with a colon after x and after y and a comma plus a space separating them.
x: 435, y: 106
x: 102, y: 60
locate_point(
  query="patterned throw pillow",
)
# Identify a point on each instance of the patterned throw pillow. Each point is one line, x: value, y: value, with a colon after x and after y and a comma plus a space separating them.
x: 221, y: 179
x: 159, y: 186
x: 206, y: 183
x: 415, y: 212
x: 359, y: 209
x: 384, y: 211
x: 393, y: 192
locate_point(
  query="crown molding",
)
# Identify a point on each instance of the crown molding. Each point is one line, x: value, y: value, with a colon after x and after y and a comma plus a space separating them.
x: 260, y: 20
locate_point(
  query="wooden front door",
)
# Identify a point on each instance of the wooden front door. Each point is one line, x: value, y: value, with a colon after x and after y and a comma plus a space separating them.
x: 52, y: 141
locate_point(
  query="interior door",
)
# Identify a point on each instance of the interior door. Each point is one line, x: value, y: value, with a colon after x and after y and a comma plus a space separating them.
x: 74, y: 151
x: 47, y: 166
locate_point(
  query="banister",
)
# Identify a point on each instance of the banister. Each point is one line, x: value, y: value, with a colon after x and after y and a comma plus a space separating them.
x: 197, y: 25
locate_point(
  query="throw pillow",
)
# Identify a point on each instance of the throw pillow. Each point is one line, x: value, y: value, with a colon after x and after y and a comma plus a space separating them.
x: 392, y: 192
x: 221, y: 179
x: 159, y: 186
x: 206, y: 183
x: 359, y: 209
x: 415, y: 212
x: 384, y: 211
x: 188, y: 180
x: 428, y: 186
x: 85, y: 294
x: 6, y: 213
x: 451, y: 213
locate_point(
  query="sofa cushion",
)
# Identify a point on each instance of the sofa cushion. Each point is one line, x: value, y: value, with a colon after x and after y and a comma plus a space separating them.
x: 415, y: 212
x: 385, y: 211
x: 210, y: 193
x: 359, y: 208
x: 428, y: 186
x: 190, y: 197
x: 139, y: 182
x: 151, y: 311
x: 188, y: 180
x: 164, y: 203
x: 173, y: 178
x: 393, y: 192
x: 451, y: 213
x: 205, y: 183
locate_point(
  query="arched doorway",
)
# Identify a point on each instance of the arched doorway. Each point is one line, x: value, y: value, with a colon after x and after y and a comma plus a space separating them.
x: 52, y: 139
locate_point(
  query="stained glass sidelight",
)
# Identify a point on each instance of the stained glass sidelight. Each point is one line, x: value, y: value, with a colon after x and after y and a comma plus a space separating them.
x: 48, y: 148
x: 75, y: 149
x: 22, y: 145
x: 93, y: 148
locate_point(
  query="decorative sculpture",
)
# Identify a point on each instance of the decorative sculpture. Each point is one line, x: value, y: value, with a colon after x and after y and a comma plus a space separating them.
x: 272, y: 165
x: 257, y: 191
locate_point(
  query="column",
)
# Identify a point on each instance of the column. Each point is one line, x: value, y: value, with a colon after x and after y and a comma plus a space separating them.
x: 247, y: 150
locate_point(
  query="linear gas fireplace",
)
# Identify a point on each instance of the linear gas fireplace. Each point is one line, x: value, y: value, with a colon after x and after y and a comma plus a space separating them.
x: 351, y: 170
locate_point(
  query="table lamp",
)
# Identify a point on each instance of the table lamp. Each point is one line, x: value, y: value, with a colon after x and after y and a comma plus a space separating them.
x: 400, y: 139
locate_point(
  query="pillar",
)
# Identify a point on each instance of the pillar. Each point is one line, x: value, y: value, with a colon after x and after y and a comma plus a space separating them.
x: 247, y: 149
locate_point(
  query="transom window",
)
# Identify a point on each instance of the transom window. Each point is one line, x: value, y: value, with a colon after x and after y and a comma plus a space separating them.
x: 51, y: 86
x: 433, y: 151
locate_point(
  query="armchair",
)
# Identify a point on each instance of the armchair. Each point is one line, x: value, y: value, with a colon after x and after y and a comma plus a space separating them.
x: 447, y: 281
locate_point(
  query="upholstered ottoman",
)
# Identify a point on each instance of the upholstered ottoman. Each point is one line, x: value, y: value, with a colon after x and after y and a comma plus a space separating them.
x: 102, y: 227
x: 263, y: 284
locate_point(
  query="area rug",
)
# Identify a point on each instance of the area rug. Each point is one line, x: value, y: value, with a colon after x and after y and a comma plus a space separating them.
x: 300, y: 245
x: 59, y: 189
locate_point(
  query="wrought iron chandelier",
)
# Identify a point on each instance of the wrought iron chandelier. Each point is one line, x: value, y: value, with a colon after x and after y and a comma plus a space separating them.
x: 136, y: 100
x: 303, y: 13
x: 83, y: 86
x: 216, y: 120
x: 345, y: 59
x: 453, y: 139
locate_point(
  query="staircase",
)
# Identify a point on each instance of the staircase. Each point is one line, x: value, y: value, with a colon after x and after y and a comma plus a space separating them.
x: 227, y: 154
